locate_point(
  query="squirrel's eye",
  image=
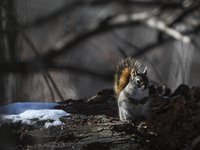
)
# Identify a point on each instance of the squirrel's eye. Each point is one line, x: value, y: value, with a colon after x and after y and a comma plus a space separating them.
x: 137, y: 81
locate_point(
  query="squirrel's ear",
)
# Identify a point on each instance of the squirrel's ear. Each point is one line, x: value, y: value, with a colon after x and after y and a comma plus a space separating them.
x: 133, y: 72
x: 145, y: 70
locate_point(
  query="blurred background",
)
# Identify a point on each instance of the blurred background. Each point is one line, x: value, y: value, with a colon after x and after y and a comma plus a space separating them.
x: 68, y: 49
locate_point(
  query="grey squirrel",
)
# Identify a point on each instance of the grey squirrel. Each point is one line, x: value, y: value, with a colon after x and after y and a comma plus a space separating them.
x: 132, y: 90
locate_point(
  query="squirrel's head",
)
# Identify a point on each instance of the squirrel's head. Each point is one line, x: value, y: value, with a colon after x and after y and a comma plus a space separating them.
x: 139, y: 80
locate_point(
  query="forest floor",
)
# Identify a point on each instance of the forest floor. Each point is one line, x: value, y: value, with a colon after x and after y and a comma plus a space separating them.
x: 94, y: 124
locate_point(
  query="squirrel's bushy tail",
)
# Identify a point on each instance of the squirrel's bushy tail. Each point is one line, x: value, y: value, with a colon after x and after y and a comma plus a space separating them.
x: 123, y: 73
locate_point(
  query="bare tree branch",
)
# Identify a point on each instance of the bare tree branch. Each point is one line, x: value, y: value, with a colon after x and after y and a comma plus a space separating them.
x: 23, y: 68
x: 161, y: 26
x: 176, y: 17
x: 64, y: 45
x: 55, y: 86
x: 43, y: 70
x: 105, y: 25
x: 49, y: 86
x: 139, y: 50
x: 188, y: 10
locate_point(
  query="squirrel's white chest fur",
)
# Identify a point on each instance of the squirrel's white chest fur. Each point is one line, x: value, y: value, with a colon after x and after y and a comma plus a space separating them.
x: 127, y: 108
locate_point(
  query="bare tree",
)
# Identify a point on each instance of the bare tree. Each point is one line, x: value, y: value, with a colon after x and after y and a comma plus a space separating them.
x: 69, y: 49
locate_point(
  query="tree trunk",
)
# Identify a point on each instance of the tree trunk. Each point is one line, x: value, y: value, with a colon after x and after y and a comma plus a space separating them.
x: 9, y: 51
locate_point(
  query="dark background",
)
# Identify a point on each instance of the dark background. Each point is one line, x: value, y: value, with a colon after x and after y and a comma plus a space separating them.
x: 54, y: 50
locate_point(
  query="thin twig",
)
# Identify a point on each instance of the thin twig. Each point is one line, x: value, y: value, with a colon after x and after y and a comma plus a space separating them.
x: 55, y: 87
x: 39, y: 59
x: 162, y: 26
x: 138, y: 51
x: 44, y: 71
x: 189, y: 10
x: 64, y: 45
x: 49, y: 86
x: 179, y: 16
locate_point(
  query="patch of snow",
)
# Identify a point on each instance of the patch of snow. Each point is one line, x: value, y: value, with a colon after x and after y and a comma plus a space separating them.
x: 55, y: 123
x: 17, y: 108
x: 31, y: 113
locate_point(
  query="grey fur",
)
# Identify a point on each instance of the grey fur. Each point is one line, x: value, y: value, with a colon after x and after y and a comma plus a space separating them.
x: 134, y: 100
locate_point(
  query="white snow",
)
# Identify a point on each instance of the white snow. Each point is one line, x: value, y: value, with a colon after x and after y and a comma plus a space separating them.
x: 31, y: 113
